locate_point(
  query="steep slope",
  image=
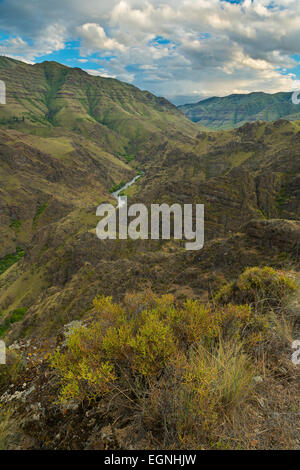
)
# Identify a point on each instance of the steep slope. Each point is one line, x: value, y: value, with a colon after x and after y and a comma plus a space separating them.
x: 44, y: 97
x: 249, y: 172
x: 42, y: 179
x: 67, y: 138
x: 235, y: 110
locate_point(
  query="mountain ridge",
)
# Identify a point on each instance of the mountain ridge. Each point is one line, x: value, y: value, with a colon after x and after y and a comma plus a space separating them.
x: 235, y: 110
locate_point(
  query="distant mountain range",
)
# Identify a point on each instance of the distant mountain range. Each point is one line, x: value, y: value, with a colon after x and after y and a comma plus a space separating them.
x: 235, y: 110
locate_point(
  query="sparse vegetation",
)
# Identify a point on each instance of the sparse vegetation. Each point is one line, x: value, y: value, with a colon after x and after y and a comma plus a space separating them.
x: 116, y: 187
x: 128, y: 158
x: 261, y: 287
x: 13, y: 368
x: 160, y: 371
x: 40, y: 211
x: 184, y: 367
x: 11, y: 259
x: 14, y: 317
x: 16, y: 225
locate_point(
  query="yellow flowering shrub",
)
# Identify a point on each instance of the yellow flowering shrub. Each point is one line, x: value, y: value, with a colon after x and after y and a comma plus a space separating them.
x: 179, y: 366
x: 263, y: 288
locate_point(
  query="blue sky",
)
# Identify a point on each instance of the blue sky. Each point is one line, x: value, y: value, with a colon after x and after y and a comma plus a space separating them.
x: 184, y: 50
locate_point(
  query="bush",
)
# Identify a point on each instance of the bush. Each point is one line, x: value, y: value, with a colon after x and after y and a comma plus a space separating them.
x: 10, y: 259
x: 116, y: 187
x: 139, y: 345
x: 178, y: 370
x: 11, y: 371
x: 264, y: 288
x: 14, y: 317
x: 214, y: 382
x: 153, y: 345
x: 198, y: 323
x: 84, y: 371
x: 39, y: 212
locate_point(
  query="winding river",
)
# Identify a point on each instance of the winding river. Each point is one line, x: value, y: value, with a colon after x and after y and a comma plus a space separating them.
x: 127, y: 185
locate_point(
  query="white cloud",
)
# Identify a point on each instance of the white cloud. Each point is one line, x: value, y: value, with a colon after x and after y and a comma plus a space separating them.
x: 204, y: 47
x: 99, y: 73
x: 94, y: 39
x: 51, y: 39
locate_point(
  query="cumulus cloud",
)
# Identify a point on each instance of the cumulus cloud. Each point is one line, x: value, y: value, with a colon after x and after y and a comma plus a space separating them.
x: 94, y: 39
x: 50, y: 40
x: 175, y: 48
x: 99, y: 73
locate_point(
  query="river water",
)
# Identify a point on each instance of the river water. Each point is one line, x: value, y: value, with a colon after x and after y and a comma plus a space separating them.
x: 127, y: 185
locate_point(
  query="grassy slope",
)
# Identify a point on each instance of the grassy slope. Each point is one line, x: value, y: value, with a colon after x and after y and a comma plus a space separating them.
x: 116, y: 114
x: 63, y: 138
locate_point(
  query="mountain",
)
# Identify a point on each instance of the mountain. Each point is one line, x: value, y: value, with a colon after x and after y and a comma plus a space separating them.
x: 45, y: 96
x: 235, y: 110
x: 66, y: 139
x: 80, y: 136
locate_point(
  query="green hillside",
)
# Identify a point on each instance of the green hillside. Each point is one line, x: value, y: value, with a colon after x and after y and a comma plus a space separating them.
x: 44, y: 97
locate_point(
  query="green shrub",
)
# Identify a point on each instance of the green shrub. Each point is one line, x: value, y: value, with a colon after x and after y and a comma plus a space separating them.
x: 39, y: 212
x: 11, y: 259
x: 128, y: 158
x: 197, y: 323
x: 264, y: 288
x: 179, y: 368
x: 153, y: 345
x: 116, y: 187
x: 16, y: 225
x: 10, y: 371
x: 84, y: 371
x: 14, y: 317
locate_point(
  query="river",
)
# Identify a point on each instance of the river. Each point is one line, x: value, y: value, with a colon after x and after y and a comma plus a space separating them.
x: 127, y: 185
